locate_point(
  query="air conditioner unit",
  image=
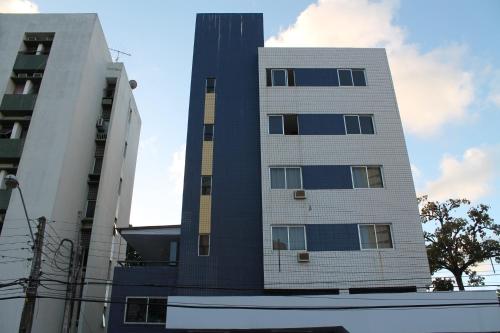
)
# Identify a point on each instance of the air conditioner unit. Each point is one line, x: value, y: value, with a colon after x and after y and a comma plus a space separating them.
x: 303, y: 257
x: 22, y: 75
x: 38, y: 75
x: 100, y: 123
x: 299, y: 195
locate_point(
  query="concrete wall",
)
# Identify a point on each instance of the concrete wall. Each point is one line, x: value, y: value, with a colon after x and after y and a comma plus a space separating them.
x: 406, y: 264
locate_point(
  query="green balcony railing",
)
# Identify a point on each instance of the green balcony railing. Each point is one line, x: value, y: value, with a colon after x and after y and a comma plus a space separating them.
x: 11, y: 148
x: 4, y: 199
x: 17, y: 104
x: 30, y: 62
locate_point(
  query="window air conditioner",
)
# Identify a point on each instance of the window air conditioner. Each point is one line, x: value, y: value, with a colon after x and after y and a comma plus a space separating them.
x: 22, y: 75
x: 299, y: 195
x: 38, y: 75
x: 303, y: 257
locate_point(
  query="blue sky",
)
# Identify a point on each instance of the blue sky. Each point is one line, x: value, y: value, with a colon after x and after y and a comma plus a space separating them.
x: 444, y: 57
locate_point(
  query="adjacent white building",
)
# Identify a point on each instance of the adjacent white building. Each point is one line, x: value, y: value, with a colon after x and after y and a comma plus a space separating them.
x: 69, y: 132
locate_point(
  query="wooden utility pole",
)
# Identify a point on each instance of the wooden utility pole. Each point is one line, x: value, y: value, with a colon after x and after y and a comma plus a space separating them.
x: 33, y: 281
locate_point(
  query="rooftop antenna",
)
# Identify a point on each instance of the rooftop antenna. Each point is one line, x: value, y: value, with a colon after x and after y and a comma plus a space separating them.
x: 118, y: 53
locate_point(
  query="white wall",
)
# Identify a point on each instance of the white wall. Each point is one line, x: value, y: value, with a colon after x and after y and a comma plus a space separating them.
x: 406, y: 264
x: 472, y: 318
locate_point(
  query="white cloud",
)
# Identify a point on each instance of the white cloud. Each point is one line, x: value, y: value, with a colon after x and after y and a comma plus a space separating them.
x: 495, y: 99
x: 470, y: 177
x: 415, y: 171
x: 432, y: 88
x: 18, y: 6
x: 158, y: 185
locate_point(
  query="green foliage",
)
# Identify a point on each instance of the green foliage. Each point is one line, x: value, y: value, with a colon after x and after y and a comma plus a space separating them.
x: 442, y: 284
x: 459, y: 243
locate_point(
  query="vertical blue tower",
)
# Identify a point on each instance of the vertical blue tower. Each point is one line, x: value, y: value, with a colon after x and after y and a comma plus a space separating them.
x: 221, y: 242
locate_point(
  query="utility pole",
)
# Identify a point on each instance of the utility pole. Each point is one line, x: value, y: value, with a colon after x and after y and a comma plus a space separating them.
x: 33, y: 281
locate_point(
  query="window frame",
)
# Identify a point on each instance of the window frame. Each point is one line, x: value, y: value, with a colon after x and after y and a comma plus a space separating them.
x: 338, y: 77
x: 367, y: 178
x: 206, y: 85
x: 286, y: 182
x: 358, y: 115
x: 201, y: 184
x: 286, y: 76
x: 282, y: 116
x: 288, y: 226
x: 204, y: 132
x: 147, y: 310
x: 209, y: 242
x: 364, y: 75
x: 376, y: 238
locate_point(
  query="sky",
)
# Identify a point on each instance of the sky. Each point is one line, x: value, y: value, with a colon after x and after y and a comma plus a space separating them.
x: 444, y: 57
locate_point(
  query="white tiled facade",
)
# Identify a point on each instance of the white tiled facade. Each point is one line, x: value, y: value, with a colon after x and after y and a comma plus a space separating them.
x: 404, y: 265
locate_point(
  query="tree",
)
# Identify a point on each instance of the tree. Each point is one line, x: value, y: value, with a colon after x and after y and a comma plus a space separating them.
x: 442, y: 284
x: 458, y: 244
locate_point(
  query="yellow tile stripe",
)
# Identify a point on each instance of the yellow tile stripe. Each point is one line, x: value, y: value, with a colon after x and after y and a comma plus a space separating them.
x: 205, y: 214
x: 204, y: 225
x: 209, y: 108
x: 207, y: 158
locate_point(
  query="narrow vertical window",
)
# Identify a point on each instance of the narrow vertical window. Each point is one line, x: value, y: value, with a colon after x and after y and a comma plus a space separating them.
x: 291, y: 77
x: 210, y: 85
x: 136, y: 310
x: 352, y: 125
x: 208, y: 132
x: 293, y: 178
x: 358, y: 77
x: 280, y: 238
x: 206, y: 185
x: 359, y: 177
x: 204, y: 245
x: 291, y: 124
x: 366, y: 125
x: 375, y: 177
x: 279, y: 77
x: 278, y: 178
x: 276, y: 124
x: 157, y: 310
x: 345, y: 77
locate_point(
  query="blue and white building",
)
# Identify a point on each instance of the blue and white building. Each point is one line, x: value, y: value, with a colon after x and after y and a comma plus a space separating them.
x: 298, y: 203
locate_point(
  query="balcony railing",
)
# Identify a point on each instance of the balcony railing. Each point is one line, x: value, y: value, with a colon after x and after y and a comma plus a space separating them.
x: 101, y: 136
x: 30, y: 62
x: 141, y: 263
x: 18, y: 104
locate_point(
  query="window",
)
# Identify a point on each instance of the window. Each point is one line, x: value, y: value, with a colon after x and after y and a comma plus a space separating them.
x: 345, y: 77
x: 210, y: 85
x: 286, y: 178
x: 208, y: 132
x: 206, y: 185
x: 358, y: 77
x: 279, y: 77
x: 146, y: 310
x: 375, y: 236
x: 204, y: 245
x: 359, y: 124
x: 367, y: 177
x: 287, y: 124
x: 289, y: 238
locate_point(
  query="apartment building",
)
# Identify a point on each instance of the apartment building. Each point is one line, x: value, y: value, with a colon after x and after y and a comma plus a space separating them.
x: 299, y: 210
x: 69, y: 130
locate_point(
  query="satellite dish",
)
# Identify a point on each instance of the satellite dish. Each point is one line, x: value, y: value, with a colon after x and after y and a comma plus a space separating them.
x: 133, y: 84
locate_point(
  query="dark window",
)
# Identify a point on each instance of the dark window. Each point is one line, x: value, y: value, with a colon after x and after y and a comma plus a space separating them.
x: 136, y: 311
x: 204, y: 245
x: 276, y: 124
x: 352, y: 124
x: 206, y: 185
x: 210, y: 85
x: 345, y: 77
x: 291, y: 77
x: 279, y: 77
x: 366, y: 124
x: 157, y: 310
x: 291, y: 124
x: 358, y: 77
x: 316, y: 77
x: 208, y: 132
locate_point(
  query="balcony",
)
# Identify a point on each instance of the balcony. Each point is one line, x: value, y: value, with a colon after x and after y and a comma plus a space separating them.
x: 11, y: 149
x: 18, y: 105
x: 30, y: 62
x: 4, y: 199
x: 101, y: 136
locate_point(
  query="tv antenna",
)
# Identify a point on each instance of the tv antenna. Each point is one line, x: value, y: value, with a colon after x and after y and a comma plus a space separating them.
x: 118, y: 53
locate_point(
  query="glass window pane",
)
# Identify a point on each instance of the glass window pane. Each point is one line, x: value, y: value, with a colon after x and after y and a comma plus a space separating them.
x: 367, y: 233
x: 293, y: 180
x: 384, y: 238
x: 280, y: 238
x: 297, y: 238
x: 206, y: 185
x: 358, y: 76
x: 210, y: 85
x: 291, y: 124
x: 136, y: 310
x: 275, y: 124
x: 366, y: 123
x: 157, y: 310
x: 352, y: 124
x: 279, y: 77
x: 278, y: 178
x: 375, y: 177
x: 203, y: 245
x: 208, y: 132
x: 345, y: 77
x: 359, y: 177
